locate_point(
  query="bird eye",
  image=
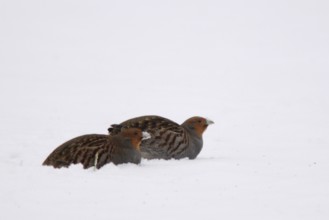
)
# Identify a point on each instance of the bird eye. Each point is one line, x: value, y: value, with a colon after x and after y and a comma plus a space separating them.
x: 199, y: 121
x: 135, y: 133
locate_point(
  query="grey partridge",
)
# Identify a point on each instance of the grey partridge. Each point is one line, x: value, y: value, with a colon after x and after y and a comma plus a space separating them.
x: 97, y: 150
x: 168, y: 139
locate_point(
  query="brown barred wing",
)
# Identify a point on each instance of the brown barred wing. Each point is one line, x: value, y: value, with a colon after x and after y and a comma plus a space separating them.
x: 82, y: 149
x: 146, y: 123
x: 95, y: 155
x: 165, y: 144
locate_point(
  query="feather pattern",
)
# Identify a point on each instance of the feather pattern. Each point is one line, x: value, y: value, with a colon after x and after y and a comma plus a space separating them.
x: 97, y: 150
x: 168, y: 139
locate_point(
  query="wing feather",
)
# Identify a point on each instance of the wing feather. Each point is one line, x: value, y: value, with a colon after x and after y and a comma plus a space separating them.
x: 78, y: 150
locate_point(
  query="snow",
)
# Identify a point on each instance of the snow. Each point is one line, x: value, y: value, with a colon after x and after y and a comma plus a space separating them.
x: 258, y: 69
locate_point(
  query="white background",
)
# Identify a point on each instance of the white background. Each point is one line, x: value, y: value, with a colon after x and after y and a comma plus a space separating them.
x: 259, y: 69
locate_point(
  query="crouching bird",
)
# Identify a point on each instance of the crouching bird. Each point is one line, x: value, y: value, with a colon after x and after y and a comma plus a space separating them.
x: 97, y: 150
x: 168, y: 139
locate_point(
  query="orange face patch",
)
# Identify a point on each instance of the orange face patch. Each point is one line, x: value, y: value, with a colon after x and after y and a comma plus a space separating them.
x: 200, y: 126
x: 136, y: 143
x: 135, y: 136
x: 198, y: 123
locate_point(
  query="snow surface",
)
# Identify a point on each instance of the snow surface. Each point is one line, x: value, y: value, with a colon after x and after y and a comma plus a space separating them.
x: 259, y: 69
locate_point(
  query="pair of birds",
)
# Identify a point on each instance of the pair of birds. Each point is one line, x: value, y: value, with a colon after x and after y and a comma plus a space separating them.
x: 150, y: 137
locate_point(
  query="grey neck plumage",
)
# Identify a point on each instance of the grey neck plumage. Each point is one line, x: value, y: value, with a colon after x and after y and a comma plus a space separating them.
x: 195, y: 143
x: 127, y: 153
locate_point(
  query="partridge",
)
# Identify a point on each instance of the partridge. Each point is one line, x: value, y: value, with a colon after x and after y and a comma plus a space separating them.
x: 168, y: 139
x: 97, y: 150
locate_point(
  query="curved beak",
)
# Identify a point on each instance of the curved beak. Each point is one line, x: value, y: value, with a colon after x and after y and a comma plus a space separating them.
x: 209, y: 122
x: 146, y: 135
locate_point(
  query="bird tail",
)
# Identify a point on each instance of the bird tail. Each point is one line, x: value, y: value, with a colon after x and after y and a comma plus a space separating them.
x: 114, y: 129
x: 56, y: 162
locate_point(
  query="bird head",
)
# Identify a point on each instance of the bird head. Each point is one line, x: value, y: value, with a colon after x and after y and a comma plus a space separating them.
x: 197, y: 124
x: 135, y: 135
